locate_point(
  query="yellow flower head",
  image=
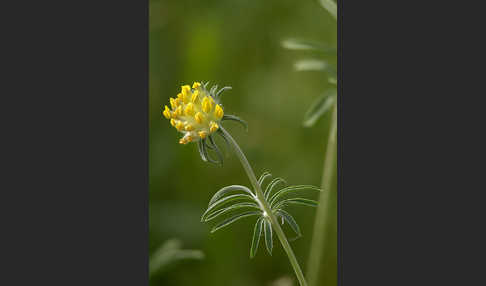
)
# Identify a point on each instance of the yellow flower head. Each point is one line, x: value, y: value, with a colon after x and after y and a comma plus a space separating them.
x: 195, y: 112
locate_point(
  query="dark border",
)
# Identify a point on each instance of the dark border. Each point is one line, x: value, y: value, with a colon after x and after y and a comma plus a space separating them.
x: 75, y: 198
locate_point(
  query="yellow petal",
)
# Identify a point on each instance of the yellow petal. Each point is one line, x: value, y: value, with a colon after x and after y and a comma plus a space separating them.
x: 179, y: 125
x: 173, y: 103
x: 203, y: 134
x: 206, y: 104
x: 186, y: 93
x: 185, y: 89
x: 166, y: 112
x: 196, y: 84
x: 218, y: 111
x: 213, y: 126
x: 189, y: 110
x: 195, y: 96
x: 173, y: 122
x: 199, y: 117
x: 178, y: 111
x: 189, y: 127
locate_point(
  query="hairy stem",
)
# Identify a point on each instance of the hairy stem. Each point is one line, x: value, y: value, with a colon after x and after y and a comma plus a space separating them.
x: 266, y: 207
x: 323, y: 209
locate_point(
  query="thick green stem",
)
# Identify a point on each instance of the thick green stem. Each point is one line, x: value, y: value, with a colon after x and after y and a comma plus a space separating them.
x: 322, y: 214
x: 266, y: 207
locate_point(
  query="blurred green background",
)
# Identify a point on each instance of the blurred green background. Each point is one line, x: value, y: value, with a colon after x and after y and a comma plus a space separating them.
x: 235, y: 43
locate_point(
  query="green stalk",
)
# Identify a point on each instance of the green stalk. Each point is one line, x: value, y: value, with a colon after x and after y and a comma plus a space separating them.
x: 266, y: 207
x: 323, y: 209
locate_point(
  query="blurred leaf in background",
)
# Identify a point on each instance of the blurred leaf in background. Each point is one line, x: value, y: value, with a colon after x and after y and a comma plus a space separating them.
x: 169, y: 254
x: 325, y: 101
x: 283, y: 281
x: 319, y: 107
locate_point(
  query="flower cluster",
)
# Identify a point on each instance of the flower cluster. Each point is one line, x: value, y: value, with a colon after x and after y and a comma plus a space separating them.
x: 195, y: 112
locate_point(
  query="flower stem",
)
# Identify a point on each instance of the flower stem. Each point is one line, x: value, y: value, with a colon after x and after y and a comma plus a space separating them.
x: 323, y: 209
x: 266, y: 207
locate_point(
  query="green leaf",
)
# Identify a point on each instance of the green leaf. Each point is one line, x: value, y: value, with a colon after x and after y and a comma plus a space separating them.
x: 306, y: 45
x: 169, y: 253
x: 222, y: 135
x: 268, y: 236
x: 202, y: 152
x: 297, y: 201
x: 272, y: 184
x: 263, y: 177
x: 227, y: 189
x: 319, y: 107
x: 219, y: 212
x: 332, y: 80
x: 237, y: 119
x: 216, y: 149
x: 257, y: 233
x: 224, y: 201
x: 232, y: 219
x: 213, y: 89
x: 330, y: 6
x: 290, y: 220
x: 289, y: 189
x: 218, y: 94
x: 310, y: 65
